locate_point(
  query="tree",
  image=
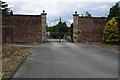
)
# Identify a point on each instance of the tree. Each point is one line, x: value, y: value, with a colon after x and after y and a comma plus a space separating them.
x: 88, y: 14
x: 59, y: 30
x: 111, y: 32
x: 4, y: 8
x: 63, y: 29
x: 115, y: 11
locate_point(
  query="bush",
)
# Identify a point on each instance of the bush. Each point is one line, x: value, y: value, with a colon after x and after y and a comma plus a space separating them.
x: 111, y: 32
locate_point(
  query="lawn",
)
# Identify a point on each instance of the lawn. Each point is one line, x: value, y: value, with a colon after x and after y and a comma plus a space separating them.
x: 11, y: 56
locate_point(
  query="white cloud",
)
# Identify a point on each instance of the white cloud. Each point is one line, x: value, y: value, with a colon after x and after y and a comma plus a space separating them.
x: 57, y: 8
x: 101, y: 7
x: 34, y: 1
x: 50, y: 7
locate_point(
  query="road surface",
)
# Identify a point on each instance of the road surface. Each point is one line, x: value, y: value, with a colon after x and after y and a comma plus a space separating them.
x: 69, y: 60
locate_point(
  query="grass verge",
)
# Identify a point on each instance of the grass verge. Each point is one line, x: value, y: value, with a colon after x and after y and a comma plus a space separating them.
x: 11, y: 56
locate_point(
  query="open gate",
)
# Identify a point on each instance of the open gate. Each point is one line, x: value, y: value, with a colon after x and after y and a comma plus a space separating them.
x: 59, y: 31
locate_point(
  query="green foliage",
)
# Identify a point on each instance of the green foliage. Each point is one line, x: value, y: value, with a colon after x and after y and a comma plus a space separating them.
x: 59, y: 30
x: 4, y: 8
x: 88, y: 14
x: 115, y: 11
x: 111, y: 32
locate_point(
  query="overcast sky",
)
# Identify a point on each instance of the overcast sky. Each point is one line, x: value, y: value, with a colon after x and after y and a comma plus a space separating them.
x: 61, y: 8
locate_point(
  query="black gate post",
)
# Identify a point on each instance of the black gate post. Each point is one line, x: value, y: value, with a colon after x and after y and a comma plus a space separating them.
x: 60, y: 30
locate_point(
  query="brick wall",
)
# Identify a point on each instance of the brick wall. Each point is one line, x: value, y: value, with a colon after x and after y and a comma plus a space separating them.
x: 7, y: 35
x: 27, y: 28
x: 91, y: 29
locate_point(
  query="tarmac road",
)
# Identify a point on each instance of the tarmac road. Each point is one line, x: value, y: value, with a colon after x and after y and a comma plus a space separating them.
x: 69, y: 60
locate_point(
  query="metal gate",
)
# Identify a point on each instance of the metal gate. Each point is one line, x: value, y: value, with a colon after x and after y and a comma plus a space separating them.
x: 59, y: 31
